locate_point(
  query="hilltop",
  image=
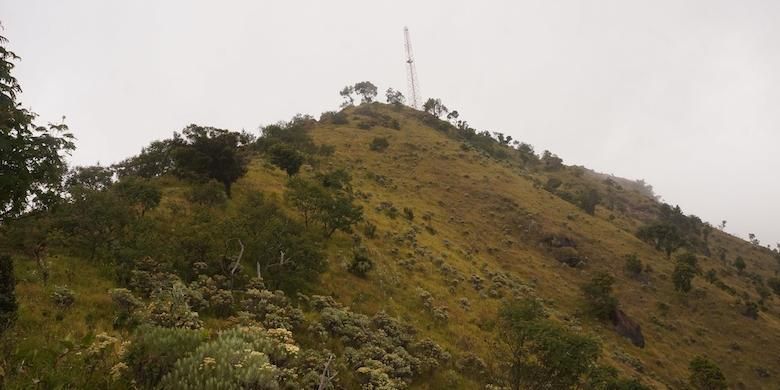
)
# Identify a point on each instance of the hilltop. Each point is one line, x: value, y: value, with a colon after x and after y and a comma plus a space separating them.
x: 388, y: 242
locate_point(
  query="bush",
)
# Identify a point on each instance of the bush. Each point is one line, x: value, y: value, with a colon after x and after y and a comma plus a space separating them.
x: 8, y: 305
x: 598, y: 293
x: 379, y: 144
x: 127, y: 305
x: 684, y: 272
x: 170, y: 308
x: 286, y: 157
x: 154, y: 351
x: 750, y: 310
x: 774, y: 284
x: 408, y: 213
x: 63, y: 297
x: 210, y: 193
x: 706, y: 375
x: 369, y: 230
x: 334, y: 117
x: 361, y: 263
x: 633, y: 264
x: 740, y: 264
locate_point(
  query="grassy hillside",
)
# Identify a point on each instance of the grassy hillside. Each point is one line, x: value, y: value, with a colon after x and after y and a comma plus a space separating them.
x: 455, y: 228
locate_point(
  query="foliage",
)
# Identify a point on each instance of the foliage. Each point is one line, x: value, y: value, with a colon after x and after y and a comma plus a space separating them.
x: 684, y: 271
x: 154, y: 351
x: 366, y: 90
x: 435, y: 107
x: 307, y: 196
x: 139, y: 193
x: 210, y: 194
x: 95, y: 178
x: 127, y: 306
x: 598, y: 294
x: 346, y: 93
x: 154, y: 160
x: 588, y: 200
x: 538, y: 353
x: 63, y: 297
x: 606, y: 378
x: 379, y: 144
x: 286, y: 157
x: 740, y: 264
x: 289, y: 257
x: 170, y: 308
x: 706, y: 375
x: 550, y: 161
x: 394, y: 97
x: 334, y: 117
x: 8, y: 305
x: 32, y: 158
x: 361, y: 263
x: 774, y: 284
x: 210, y: 153
x: 662, y: 236
x: 633, y: 264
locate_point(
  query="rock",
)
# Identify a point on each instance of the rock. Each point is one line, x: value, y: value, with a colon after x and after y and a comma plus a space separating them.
x: 627, y: 327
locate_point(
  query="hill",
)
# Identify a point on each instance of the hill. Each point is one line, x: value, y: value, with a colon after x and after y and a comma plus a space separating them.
x: 392, y: 249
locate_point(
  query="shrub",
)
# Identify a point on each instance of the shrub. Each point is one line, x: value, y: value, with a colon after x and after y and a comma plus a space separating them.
x: 334, y: 117
x: 633, y: 264
x: 63, y: 297
x: 369, y: 229
x: 210, y: 193
x: 598, y: 293
x: 154, y: 351
x: 379, y: 144
x: 286, y: 157
x: 750, y: 310
x: 706, y: 375
x: 127, y: 305
x: 170, y: 308
x: 740, y: 264
x: 774, y: 284
x: 361, y: 263
x: 8, y: 305
x: 408, y: 213
x: 684, y: 272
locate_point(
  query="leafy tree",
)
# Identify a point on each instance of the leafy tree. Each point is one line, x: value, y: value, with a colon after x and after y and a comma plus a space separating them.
x: 740, y: 264
x: 210, y: 194
x: 379, y: 144
x: 339, y: 213
x: 706, y: 375
x: 289, y: 257
x: 684, y: 272
x: 435, y: 107
x: 537, y: 353
x: 93, y: 178
x: 550, y: 161
x: 32, y: 236
x: 598, y: 294
x: 307, y: 196
x: 210, y: 153
x: 394, y: 97
x: 366, y: 90
x: 663, y: 236
x: 287, y: 158
x: 633, y: 264
x: 453, y: 115
x: 588, y: 200
x: 32, y: 158
x: 138, y: 192
x: 346, y: 93
x: 153, y: 161
x: 8, y: 305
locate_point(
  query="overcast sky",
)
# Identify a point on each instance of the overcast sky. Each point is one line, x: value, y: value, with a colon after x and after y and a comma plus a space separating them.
x: 683, y: 94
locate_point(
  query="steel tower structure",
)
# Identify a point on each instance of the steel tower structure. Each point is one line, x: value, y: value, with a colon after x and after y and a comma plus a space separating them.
x: 411, y: 73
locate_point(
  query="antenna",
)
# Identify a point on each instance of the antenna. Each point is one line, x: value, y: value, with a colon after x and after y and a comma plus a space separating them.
x: 411, y: 72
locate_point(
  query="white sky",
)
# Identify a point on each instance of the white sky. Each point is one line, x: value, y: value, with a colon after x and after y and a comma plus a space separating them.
x: 683, y: 94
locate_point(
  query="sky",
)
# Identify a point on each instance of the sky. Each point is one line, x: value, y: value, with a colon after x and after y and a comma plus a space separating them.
x: 682, y: 94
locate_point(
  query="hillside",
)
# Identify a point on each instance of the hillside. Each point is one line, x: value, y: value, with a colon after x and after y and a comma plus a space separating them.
x: 455, y: 224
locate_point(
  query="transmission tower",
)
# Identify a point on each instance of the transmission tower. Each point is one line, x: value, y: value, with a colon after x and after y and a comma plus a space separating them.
x: 411, y: 72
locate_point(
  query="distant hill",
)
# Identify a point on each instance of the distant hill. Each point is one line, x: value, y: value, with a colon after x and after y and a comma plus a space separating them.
x: 454, y: 225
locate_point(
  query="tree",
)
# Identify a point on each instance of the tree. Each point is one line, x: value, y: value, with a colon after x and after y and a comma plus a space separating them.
x: 539, y: 354
x: 598, y: 294
x: 210, y: 153
x: 32, y: 158
x: 550, y: 161
x: 366, y: 90
x: 706, y: 375
x: 138, y: 192
x: 588, y: 200
x: 663, y: 236
x: 394, y: 97
x: 287, y: 158
x: 740, y: 264
x: 633, y: 264
x: 153, y: 161
x: 306, y: 196
x: 684, y: 272
x: 8, y: 305
x: 379, y: 144
x: 346, y: 93
x: 339, y: 213
x: 453, y: 115
x: 435, y: 107
x: 94, y: 177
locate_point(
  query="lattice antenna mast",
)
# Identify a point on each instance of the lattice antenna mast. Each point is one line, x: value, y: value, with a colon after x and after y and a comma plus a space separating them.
x: 411, y: 72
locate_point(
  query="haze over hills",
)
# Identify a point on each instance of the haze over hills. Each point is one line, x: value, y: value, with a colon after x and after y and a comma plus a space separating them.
x: 377, y: 247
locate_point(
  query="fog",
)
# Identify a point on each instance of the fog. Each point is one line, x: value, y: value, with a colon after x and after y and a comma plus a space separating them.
x: 683, y: 94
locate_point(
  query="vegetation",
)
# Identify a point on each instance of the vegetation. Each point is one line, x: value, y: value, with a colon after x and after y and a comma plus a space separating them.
x: 684, y: 272
x: 706, y: 375
x: 598, y: 293
x: 8, y: 305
